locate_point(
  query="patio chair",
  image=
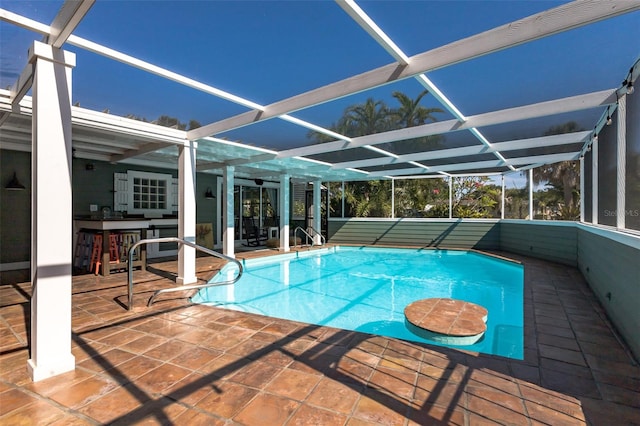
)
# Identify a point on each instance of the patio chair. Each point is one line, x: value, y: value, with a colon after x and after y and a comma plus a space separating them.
x: 252, y: 232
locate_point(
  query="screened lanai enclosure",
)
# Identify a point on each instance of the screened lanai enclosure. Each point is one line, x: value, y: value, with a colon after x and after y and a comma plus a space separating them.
x: 491, y: 125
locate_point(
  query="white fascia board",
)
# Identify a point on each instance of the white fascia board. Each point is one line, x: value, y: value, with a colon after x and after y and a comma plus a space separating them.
x: 67, y: 19
x: 552, y: 21
x: 111, y: 123
x: 554, y: 140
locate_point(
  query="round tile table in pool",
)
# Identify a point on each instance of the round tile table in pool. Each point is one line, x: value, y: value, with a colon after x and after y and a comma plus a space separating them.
x: 444, y: 320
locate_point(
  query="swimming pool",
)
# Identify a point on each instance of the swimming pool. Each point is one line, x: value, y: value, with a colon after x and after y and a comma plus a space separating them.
x: 366, y: 289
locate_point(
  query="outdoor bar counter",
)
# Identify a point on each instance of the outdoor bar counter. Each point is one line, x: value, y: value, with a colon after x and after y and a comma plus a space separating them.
x: 112, y: 225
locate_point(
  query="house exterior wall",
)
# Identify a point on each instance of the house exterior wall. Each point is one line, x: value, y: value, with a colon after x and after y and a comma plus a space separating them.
x: 92, y: 184
x: 15, y: 209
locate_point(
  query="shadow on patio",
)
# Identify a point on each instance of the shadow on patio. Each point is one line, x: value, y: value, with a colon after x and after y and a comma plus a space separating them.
x: 176, y: 363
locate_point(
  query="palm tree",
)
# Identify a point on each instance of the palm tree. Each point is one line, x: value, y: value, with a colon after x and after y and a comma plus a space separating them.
x: 411, y: 113
x: 565, y: 176
x: 367, y: 118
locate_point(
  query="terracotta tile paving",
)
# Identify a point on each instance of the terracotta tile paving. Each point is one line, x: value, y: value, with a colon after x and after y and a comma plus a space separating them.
x: 176, y: 363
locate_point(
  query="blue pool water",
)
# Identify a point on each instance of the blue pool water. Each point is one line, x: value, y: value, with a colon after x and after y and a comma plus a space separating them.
x: 366, y: 289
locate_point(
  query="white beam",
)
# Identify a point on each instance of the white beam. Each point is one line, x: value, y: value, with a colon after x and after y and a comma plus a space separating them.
x: 553, y: 21
x: 557, y: 106
x: 187, y: 213
x: 284, y: 209
x: 542, y: 159
x: 621, y: 158
x: 530, y: 179
x: 67, y: 19
x: 594, y: 182
x: 317, y: 222
x: 228, y: 234
x: 582, y: 188
x: 544, y: 141
x: 385, y: 41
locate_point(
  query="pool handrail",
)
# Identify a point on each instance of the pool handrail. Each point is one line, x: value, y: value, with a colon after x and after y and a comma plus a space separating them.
x: 182, y: 287
x: 295, y: 234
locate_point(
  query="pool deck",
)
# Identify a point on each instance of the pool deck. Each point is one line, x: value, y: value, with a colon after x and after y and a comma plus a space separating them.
x: 176, y: 363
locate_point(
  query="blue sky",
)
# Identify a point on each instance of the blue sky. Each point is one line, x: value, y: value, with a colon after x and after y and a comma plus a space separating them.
x: 270, y: 50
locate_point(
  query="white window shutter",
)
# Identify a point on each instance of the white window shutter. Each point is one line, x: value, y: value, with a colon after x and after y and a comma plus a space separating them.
x: 174, y: 194
x: 120, y: 192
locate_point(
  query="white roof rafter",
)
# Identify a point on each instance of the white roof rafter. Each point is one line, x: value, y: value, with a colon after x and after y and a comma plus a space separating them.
x: 490, y: 164
x: 558, y: 106
x: 545, y: 141
x: 111, y: 138
x: 553, y: 21
x: 385, y: 41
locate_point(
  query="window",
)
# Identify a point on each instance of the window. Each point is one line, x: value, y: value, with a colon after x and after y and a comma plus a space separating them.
x: 145, y: 193
x: 149, y: 194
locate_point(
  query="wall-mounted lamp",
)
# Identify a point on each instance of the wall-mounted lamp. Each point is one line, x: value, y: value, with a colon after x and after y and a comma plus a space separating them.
x: 209, y: 194
x: 14, y: 184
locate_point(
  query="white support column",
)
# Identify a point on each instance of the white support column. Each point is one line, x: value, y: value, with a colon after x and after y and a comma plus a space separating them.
x: 51, y: 217
x: 450, y: 197
x: 393, y: 198
x: 227, y: 206
x: 622, y: 160
x: 284, y: 212
x: 187, y: 213
x: 502, y: 200
x: 530, y: 194
x: 582, y: 189
x: 342, y: 200
x: 317, y: 223
x: 594, y: 181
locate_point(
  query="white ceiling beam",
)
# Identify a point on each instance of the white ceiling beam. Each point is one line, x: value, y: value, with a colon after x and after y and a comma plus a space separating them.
x: 553, y: 21
x: 538, y: 159
x: 15, y: 146
x: 67, y: 19
x: 358, y: 15
x: 69, y: 16
x: 235, y: 162
x: 143, y: 149
x: 20, y: 88
x: 558, y: 106
x: 380, y: 36
x: 544, y: 141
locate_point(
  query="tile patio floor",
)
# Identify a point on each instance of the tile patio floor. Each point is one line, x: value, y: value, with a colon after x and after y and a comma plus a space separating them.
x: 183, y: 364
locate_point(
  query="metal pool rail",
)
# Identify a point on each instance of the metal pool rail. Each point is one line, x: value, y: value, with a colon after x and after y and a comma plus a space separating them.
x: 182, y: 287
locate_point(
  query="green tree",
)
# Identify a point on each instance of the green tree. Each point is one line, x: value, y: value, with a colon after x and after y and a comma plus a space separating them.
x: 411, y: 113
x: 367, y: 118
x: 563, y: 177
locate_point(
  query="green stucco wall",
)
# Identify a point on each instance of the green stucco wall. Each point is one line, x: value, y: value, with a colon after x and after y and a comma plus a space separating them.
x: 612, y: 269
x: 92, y: 184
